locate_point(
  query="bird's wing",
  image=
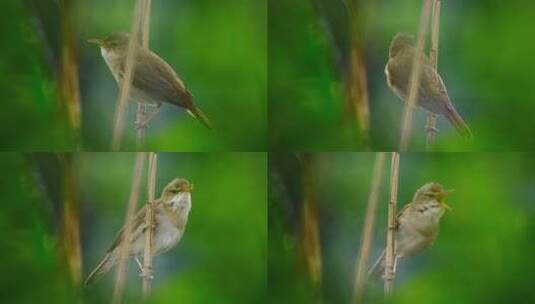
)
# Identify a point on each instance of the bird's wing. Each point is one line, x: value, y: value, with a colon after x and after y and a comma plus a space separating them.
x: 405, y: 207
x: 431, y: 83
x: 159, y: 80
x: 139, y: 227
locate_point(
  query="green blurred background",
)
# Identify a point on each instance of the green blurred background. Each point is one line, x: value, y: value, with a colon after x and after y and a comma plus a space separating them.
x: 220, y: 259
x: 218, y: 48
x: 484, y: 252
x: 485, y: 56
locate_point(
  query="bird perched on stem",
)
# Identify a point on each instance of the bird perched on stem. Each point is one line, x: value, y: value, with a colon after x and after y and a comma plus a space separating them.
x: 432, y: 94
x: 154, y: 81
x: 418, y: 224
x: 171, y: 212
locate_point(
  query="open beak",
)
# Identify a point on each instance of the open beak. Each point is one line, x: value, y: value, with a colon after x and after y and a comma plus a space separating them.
x: 95, y: 41
x: 187, y: 188
x: 444, y: 193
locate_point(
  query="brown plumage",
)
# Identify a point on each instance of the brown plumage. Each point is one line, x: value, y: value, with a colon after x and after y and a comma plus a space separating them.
x: 171, y: 212
x: 154, y: 80
x: 418, y: 223
x: 432, y: 93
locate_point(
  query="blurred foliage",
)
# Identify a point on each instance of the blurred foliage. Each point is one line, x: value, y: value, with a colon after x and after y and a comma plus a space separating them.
x: 221, y: 258
x: 484, y: 59
x: 218, y: 49
x: 31, y: 116
x: 484, y: 252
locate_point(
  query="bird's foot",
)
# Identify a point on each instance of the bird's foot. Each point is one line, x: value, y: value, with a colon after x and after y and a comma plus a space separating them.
x: 142, y: 124
x: 146, y: 272
x: 431, y: 129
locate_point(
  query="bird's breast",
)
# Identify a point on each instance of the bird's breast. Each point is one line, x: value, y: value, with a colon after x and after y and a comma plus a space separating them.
x: 167, y: 235
x: 113, y: 61
x: 393, y: 84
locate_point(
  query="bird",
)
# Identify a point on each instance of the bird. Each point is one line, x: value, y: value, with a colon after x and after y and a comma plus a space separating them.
x: 417, y: 224
x: 153, y: 80
x: 171, y: 212
x: 432, y: 94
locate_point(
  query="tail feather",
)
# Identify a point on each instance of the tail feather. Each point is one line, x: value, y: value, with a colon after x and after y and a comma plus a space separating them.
x: 199, y: 115
x: 186, y: 101
x: 104, y: 266
x: 457, y: 121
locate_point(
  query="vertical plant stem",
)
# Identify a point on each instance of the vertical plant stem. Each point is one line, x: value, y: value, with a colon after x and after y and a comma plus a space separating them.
x: 430, y: 127
x: 127, y: 80
x: 70, y: 236
x: 414, y: 83
x: 149, y: 222
x: 309, y: 232
x: 141, y: 108
x: 120, y: 278
x: 357, y: 81
x: 369, y: 221
x: 390, y: 254
x: 68, y: 76
x: 146, y: 24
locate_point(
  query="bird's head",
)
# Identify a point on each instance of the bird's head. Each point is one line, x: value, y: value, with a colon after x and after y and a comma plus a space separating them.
x: 177, y: 186
x: 399, y: 42
x: 114, y: 42
x: 430, y: 198
x: 177, y: 194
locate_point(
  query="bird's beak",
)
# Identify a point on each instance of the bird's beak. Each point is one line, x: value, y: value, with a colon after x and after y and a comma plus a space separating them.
x: 444, y: 193
x: 187, y: 188
x: 446, y: 206
x: 95, y: 41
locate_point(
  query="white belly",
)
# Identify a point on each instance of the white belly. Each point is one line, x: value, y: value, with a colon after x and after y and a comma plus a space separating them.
x: 165, y: 237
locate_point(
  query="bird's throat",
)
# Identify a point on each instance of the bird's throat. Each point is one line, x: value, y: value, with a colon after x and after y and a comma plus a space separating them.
x: 113, y: 61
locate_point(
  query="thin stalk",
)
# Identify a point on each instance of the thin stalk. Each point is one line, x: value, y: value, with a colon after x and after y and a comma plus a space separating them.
x: 141, y: 108
x: 146, y: 25
x: 68, y: 76
x: 414, y: 84
x: 120, y: 110
x: 309, y: 234
x: 70, y: 231
x: 390, y: 254
x: 120, y: 278
x: 356, y: 80
x: 367, y: 235
x: 430, y: 127
x: 149, y: 222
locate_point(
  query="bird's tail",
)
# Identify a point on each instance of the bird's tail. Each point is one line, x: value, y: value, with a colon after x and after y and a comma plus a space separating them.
x: 104, y: 266
x: 199, y: 115
x: 378, y: 266
x: 457, y: 121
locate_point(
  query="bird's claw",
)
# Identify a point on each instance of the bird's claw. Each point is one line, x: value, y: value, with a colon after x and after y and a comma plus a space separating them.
x: 432, y: 129
x: 146, y: 273
x: 141, y: 124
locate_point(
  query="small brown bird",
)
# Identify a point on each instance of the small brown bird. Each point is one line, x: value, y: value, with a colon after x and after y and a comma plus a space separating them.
x: 171, y: 212
x: 432, y: 94
x: 418, y: 223
x: 154, y: 81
